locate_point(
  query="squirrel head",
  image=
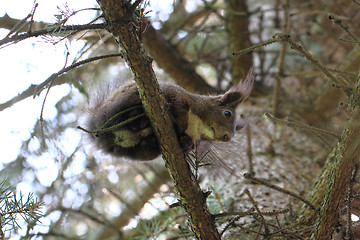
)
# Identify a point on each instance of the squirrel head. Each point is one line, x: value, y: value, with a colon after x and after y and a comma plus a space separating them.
x: 214, y: 118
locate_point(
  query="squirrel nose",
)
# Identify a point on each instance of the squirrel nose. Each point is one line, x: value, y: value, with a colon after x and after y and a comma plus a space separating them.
x: 226, y: 138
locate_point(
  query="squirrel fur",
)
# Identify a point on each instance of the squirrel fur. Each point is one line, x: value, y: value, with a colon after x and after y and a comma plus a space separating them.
x: 118, y: 125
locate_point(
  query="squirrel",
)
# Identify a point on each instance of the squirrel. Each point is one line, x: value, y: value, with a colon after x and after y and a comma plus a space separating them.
x: 119, y: 126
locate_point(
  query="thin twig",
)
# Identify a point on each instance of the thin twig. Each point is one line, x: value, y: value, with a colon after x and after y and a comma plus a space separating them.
x: 249, y: 150
x: 217, y: 196
x: 249, y: 230
x: 116, y: 126
x: 250, y: 49
x: 249, y: 213
x: 106, y: 124
x: 324, y: 139
x: 254, y: 203
x: 229, y: 224
x: 40, y: 87
x: 43, y: 104
x: 281, y: 37
x: 42, y: 113
x: 281, y: 231
x: 293, y: 123
x: 51, y: 80
x: 32, y: 15
x: 350, y: 74
x: 356, y: 2
x: 340, y: 82
x: 97, y: 218
x: 345, y: 28
x: 52, y: 31
x: 67, y: 14
x: 349, y: 41
x: 259, y: 231
x: 284, y: 230
x: 279, y: 189
x: 122, y: 200
x: 196, y: 160
x: 21, y: 24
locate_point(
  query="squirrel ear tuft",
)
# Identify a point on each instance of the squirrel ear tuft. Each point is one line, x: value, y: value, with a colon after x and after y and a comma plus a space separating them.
x: 240, y: 92
x: 231, y: 99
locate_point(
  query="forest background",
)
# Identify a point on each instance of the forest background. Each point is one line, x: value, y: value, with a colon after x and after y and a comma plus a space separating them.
x: 292, y: 174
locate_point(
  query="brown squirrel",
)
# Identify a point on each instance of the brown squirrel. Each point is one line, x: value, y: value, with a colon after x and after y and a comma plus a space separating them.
x: 118, y: 125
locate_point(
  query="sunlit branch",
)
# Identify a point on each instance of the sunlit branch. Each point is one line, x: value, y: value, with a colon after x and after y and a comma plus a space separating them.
x: 53, y: 31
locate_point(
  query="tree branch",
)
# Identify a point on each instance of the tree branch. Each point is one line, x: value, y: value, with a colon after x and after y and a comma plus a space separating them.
x: 343, y: 161
x: 328, y: 189
x: 191, y: 196
x: 36, y: 89
x: 281, y: 38
x: 52, y: 30
x: 179, y: 68
x: 167, y: 56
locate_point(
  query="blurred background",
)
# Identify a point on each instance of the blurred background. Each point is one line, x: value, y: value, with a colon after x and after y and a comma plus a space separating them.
x: 88, y: 195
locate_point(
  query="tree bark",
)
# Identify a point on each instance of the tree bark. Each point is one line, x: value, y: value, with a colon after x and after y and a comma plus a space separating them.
x: 329, y: 188
x: 123, y: 25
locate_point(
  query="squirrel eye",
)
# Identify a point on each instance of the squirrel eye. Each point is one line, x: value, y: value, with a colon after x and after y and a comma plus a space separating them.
x: 227, y: 114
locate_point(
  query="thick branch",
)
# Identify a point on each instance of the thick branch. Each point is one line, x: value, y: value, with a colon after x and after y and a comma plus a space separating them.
x: 191, y: 196
x: 179, y: 68
x: 346, y: 155
x: 331, y: 183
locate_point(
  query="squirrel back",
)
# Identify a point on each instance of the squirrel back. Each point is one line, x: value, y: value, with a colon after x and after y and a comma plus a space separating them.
x: 118, y: 125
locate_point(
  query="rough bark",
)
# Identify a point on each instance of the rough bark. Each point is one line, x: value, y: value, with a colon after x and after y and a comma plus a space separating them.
x: 328, y: 190
x: 123, y: 26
